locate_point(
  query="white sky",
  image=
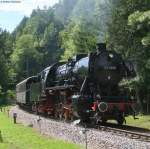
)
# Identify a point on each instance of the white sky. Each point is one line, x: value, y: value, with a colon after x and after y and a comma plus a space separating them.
x: 26, y: 6
x: 12, y: 13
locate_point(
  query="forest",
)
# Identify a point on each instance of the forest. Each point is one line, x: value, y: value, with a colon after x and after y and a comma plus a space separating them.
x: 75, y: 26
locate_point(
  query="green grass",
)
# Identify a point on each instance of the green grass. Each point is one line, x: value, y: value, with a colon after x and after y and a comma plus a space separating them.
x: 143, y: 121
x: 16, y: 136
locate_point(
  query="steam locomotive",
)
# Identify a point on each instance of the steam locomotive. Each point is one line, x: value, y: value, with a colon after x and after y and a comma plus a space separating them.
x: 86, y: 87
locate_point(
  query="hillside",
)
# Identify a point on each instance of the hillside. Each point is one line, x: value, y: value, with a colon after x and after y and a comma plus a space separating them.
x: 74, y: 26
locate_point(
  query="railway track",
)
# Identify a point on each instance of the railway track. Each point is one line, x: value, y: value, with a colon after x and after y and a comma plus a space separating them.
x: 137, y: 133
x: 96, y: 138
x: 132, y: 132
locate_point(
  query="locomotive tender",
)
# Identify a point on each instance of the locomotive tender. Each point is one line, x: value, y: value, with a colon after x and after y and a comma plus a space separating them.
x: 85, y: 87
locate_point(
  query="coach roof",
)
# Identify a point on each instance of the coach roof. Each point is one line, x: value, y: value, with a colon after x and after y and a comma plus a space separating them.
x: 30, y: 79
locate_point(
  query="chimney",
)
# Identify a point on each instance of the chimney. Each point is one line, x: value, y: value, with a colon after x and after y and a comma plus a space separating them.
x: 101, y: 46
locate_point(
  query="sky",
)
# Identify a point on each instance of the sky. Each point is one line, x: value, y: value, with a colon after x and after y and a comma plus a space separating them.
x: 12, y: 11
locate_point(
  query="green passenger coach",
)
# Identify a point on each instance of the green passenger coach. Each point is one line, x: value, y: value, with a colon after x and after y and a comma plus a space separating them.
x: 28, y: 90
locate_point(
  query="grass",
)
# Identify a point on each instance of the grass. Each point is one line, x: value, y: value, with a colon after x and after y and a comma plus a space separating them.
x: 16, y: 136
x: 143, y: 121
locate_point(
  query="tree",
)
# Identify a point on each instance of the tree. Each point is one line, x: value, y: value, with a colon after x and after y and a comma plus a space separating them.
x: 5, y: 52
x: 127, y: 38
x: 19, y: 29
x: 102, y: 18
x: 63, y: 10
x: 78, y: 37
x: 139, y: 21
x: 25, y: 57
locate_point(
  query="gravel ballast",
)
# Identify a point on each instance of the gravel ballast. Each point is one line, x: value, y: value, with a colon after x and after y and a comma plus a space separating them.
x: 72, y: 133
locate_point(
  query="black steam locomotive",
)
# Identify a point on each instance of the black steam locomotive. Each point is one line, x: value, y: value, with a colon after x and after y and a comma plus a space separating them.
x: 85, y: 87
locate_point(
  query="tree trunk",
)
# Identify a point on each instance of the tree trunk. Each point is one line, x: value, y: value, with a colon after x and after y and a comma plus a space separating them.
x: 139, y: 101
x: 148, y: 101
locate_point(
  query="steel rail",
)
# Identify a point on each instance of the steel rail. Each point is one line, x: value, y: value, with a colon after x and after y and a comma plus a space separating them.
x: 130, y: 134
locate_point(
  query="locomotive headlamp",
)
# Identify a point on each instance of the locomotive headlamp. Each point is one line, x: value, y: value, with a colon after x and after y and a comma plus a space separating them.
x: 109, y: 77
x: 111, y: 55
x: 102, y: 106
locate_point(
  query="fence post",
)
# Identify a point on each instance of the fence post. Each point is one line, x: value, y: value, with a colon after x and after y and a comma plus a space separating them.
x: 38, y: 121
x: 14, y: 117
x: 8, y: 112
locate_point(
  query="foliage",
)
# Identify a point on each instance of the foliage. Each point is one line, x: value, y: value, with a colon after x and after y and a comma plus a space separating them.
x: 5, y: 52
x: 140, y: 23
x: 129, y: 35
x: 25, y: 55
x: 83, y: 10
x: 74, y: 26
x: 78, y: 37
x: 11, y: 95
x: 36, y: 43
x: 63, y: 10
x: 19, y: 30
x: 142, y: 121
x: 102, y: 18
x: 46, y: 25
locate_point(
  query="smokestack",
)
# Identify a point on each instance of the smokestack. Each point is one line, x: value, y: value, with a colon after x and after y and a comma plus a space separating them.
x: 101, y: 46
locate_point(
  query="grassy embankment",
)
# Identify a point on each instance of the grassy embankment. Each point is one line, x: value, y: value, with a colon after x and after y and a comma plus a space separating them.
x: 143, y: 121
x: 16, y: 136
